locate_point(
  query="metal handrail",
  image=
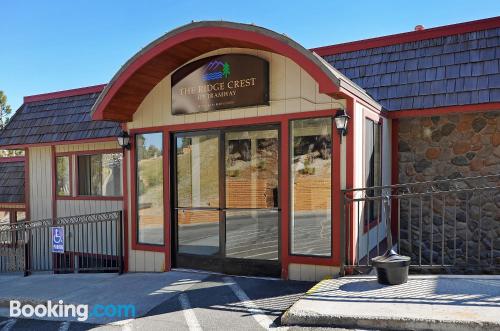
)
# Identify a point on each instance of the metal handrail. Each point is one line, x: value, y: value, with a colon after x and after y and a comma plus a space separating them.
x: 92, y: 243
x: 438, y: 181
x: 433, y: 222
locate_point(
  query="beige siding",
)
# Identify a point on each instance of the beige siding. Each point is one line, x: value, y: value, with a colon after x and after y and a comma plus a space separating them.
x: 12, y: 206
x: 87, y: 147
x: 291, y: 90
x: 40, y: 176
x: 84, y: 207
x: 309, y: 272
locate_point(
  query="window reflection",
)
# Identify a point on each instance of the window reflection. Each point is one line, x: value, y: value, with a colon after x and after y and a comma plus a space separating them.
x: 311, y: 165
x: 252, y: 234
x: 198, y: 231
x: 100, y: 174
x: 252, y: 169
x: 198, y: 171
x: 373, y: 170
x: 149, y: 149
x: 62, y: 173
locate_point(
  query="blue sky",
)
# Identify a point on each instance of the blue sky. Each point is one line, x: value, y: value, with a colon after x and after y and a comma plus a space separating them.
x: 59, y: 44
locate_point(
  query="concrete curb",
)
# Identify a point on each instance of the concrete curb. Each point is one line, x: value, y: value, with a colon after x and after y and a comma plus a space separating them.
x: 298, y: 318
x: 431, y: 302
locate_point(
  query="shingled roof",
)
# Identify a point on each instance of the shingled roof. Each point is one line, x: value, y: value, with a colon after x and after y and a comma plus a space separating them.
x: 56, y: 119
x: 12, y: 182
x: 451, y: 70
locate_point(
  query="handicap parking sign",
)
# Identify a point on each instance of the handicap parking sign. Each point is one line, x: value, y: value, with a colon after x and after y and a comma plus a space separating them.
x: 57, y: 239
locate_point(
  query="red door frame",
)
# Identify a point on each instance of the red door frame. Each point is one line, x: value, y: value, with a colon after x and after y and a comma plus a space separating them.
x: 282, y: 120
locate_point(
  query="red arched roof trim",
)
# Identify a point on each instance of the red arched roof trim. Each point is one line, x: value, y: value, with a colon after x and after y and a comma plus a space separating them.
x: 131, y: 84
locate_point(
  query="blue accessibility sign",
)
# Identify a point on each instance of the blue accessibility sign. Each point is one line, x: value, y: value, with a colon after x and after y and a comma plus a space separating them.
x: 57, y: 239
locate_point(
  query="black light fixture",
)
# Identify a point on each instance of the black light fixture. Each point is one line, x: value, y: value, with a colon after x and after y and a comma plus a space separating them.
x: 124, y: 140
x: 341, y: 121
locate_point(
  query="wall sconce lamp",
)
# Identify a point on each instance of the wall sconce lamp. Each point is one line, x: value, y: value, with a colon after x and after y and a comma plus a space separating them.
x: 124, y: 140
x: 341, y: 119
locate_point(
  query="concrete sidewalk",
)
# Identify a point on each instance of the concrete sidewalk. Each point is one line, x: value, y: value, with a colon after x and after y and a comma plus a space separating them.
x: 424, y: 303
x: 144, y: 290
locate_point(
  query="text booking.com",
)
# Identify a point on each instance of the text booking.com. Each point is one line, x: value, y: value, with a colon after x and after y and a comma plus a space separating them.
x: 61, y: 310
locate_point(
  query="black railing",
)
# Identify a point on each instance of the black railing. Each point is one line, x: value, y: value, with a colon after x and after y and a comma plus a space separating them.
x: 90, y: 243
x: 450, y: 225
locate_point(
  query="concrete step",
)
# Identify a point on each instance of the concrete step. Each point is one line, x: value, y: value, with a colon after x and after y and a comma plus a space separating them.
x: 430, y: 302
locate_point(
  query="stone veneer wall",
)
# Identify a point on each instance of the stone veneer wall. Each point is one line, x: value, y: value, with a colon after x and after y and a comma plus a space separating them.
x: 449, y: 147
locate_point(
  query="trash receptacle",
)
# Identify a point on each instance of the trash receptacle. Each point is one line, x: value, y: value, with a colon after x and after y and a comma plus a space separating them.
x: 392, y: 268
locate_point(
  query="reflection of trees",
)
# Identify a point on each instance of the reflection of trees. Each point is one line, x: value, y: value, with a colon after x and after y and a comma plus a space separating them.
x: 62, y: 175
x: 111, y: 174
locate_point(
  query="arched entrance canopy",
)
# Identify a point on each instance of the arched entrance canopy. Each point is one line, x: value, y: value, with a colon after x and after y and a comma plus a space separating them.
x: 130, y: 85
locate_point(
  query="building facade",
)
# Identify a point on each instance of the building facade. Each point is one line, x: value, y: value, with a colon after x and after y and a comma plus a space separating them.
x: 236, y: 161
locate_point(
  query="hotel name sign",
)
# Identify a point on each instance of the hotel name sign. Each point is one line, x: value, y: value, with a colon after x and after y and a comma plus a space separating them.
x: 220, y: 82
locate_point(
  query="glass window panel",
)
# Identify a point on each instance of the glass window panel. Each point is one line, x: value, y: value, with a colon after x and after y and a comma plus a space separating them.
x: 62, y: 175
x: 198, y: 171
x: 112, y: 176
x: 21, y: 216
x: 373, y: 169
x: 252, y: 169
x: 311, y: 192
x: 4, y: 217
x: 252, y: 234
x: 100, y: 174
x: 84, y: 175
x: 198, y: 231
x: 149, y: 158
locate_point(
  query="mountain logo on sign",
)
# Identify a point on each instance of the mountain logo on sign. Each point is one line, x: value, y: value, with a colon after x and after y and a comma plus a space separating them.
x: 216, y: 70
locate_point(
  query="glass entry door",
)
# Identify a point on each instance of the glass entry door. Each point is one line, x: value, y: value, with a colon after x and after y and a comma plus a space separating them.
x: 226, y: 206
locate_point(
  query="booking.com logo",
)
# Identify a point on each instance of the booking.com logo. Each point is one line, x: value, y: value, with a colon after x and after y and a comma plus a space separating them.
x: 80, y: 312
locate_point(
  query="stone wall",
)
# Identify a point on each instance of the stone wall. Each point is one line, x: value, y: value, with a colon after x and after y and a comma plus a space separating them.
x: 451, y: 147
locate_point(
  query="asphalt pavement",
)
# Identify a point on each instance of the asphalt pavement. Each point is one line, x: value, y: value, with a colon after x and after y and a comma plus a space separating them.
x: 215, y: 302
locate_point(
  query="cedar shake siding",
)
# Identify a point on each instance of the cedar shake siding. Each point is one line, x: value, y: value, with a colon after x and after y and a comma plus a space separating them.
x: 12, y: 182
x: 454, y: 70
x: 56, y: 120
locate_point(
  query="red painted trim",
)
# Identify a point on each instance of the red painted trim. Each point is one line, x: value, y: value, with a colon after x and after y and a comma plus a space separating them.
x: 285, y: 197
x: 59, y: 143
x: 394, y: 173
x: 269, y: 119
x: 166, y: 201
x: 11, y: 159
x: 27, y: 182
x: 125, y: 212
x: 54, y: 183
x: 272, y: 44
x: 125, y: 184
x: 406, y: 113
x: 350, y: 102
x: 283, y: 121
x: 446, y: 30
x: 133, y: 181
x: 65, y: 93
x: 336, y: 187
